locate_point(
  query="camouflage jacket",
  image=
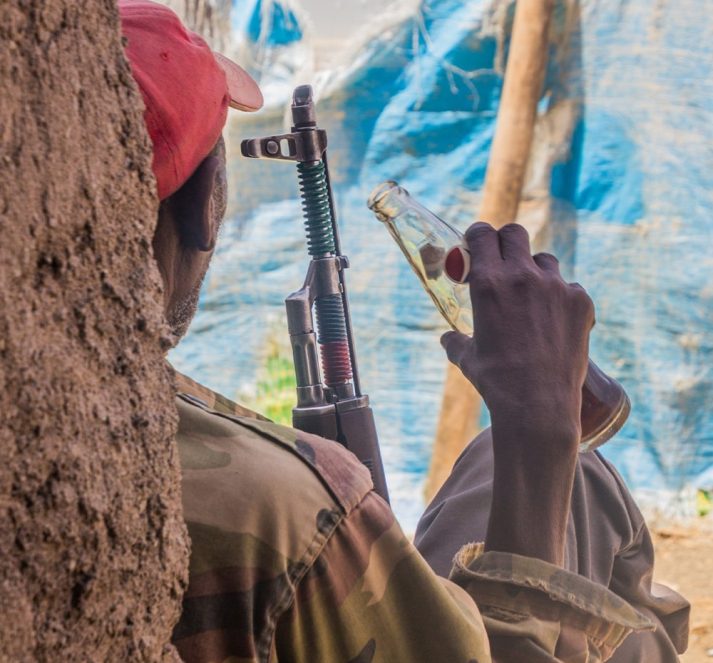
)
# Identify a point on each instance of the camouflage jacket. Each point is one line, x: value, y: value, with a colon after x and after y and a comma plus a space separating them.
x: 295, y: 558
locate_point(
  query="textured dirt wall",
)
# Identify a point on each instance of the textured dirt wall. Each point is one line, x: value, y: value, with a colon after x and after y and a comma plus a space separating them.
x: 92, y: 545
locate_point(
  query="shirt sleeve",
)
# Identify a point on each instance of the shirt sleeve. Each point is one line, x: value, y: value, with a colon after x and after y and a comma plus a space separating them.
x: 371, y: 598
x: 536, y: 612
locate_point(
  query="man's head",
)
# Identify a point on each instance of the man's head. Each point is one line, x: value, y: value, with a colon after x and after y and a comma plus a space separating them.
x: 187, y: 229
x: 186, y: 90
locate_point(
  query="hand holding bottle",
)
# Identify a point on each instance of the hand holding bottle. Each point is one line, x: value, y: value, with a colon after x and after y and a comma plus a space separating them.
x: 529, y: 350
x: 528, y: 357
x: 437, y: 254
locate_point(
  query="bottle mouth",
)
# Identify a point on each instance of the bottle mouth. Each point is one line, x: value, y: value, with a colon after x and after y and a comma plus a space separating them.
x: 378, y: 198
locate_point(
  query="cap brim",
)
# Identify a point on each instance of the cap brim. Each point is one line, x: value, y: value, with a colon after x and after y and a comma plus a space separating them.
x: 244, y: 92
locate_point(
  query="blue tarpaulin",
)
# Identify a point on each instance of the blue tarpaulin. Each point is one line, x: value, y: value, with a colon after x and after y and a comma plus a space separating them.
x: 620, y: 186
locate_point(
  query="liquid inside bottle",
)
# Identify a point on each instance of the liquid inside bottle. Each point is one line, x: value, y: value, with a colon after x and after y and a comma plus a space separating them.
x: 425, y: 241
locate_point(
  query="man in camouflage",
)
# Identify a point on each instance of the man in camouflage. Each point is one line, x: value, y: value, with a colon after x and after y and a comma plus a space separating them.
x: 294, y: 557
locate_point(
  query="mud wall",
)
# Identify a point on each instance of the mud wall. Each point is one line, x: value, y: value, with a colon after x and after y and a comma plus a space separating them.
x: 92, y: 546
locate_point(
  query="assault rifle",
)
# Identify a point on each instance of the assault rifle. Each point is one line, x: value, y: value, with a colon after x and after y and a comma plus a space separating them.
x: 334, y: 406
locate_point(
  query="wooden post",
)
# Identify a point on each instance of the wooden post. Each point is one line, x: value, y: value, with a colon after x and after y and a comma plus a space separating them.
x: 504, y: 180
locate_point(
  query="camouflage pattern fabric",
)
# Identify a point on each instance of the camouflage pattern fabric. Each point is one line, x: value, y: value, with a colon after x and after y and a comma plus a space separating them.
x: 211, y: 399
x: 295, y: 558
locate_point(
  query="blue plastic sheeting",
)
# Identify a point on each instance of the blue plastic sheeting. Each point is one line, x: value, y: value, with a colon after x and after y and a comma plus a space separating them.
x: 274, y: 23
x: 621, y: 188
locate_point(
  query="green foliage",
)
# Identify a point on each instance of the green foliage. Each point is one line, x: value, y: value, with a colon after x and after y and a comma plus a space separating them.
x: 704, y: 502
x: 275, y: 391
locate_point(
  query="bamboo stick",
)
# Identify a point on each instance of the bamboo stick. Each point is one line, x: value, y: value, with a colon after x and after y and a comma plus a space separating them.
x: 509, y: 155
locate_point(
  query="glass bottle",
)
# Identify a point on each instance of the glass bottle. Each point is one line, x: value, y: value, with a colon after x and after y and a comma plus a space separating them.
x: 426, y: 241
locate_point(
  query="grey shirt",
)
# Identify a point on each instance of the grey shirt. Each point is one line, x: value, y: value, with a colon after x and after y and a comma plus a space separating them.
x: 607, y: 542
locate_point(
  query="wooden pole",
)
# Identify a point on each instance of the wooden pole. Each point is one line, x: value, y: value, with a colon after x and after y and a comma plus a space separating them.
x: 504, y: 180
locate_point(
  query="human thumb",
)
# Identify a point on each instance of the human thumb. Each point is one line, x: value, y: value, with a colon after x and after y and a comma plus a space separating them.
x: 455, y: 344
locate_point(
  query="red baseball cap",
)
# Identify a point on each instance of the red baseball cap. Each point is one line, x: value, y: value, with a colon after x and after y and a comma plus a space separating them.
x: 186, y: 87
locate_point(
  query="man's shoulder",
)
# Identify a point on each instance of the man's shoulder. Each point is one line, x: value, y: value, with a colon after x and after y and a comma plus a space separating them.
x: 276, y: 455
x: 260, y: 501
x: 212, y: 399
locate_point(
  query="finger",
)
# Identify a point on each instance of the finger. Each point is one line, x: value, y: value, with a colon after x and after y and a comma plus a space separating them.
x: 455, y: 344
x: 587, y: 305
x: 547, y: 263
x: 514, y: 243
x: 482, y: 243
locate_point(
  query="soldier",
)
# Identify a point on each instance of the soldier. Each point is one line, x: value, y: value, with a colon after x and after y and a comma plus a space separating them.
x: 294, y: 557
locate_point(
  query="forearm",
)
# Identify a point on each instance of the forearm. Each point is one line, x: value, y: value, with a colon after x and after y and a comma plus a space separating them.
x: 528, y: 359
x: 534, y: 463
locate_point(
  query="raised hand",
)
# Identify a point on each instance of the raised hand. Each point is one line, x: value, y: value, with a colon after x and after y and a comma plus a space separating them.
x: 528, y: 358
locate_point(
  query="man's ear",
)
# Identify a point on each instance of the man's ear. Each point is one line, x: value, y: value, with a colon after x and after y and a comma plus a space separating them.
x: 192, y: 210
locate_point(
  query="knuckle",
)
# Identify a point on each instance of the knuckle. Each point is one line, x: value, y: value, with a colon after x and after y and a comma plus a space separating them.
x: 520, y: 282
x: 582, y: 300
x: 546, y: 257
x: 589, y: 307
x: 485, y: 283
x: 478, y: 230
x: 522, y: 279
x: 554, y: 279
x: 514, y: 229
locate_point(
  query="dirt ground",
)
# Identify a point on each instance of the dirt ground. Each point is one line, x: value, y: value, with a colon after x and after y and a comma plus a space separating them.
x: 684, y: 561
